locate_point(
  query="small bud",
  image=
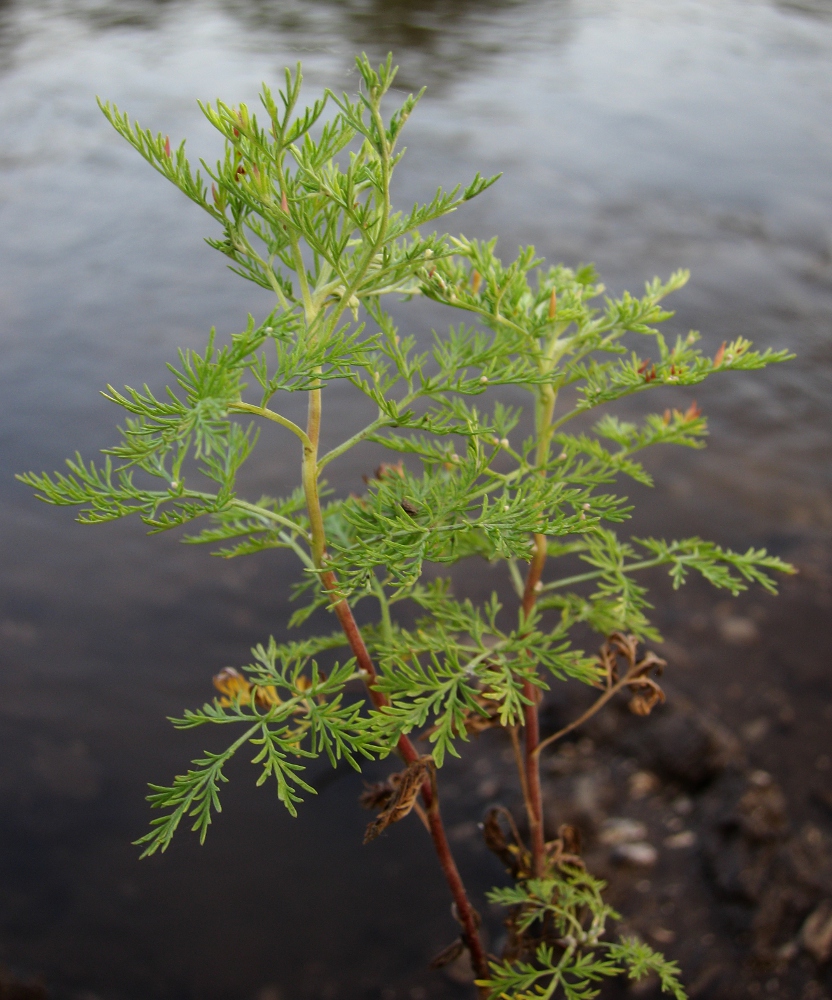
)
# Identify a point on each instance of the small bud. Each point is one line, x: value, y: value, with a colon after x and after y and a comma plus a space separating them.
x: 553, y: 305
x: 506, y: 507
x: 586, y: 506
x: 562, y: 456
x: 284, y: 204
x: 538, y: 587
x: 504, y: 442
x: 167, y: 146
x: 476, y: 281
x: 455, y: 457
x: 720, y: 354
x: 483, y: 379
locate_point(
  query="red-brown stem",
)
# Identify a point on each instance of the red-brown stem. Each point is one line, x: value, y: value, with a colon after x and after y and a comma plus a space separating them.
x: 466, y: 914
x: 534, y: 796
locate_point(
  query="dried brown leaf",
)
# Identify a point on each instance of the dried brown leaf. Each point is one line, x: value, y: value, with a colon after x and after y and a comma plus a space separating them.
x: 405, y: 790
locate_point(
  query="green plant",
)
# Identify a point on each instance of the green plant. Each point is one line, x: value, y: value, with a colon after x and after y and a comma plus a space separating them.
x: 305, y: 211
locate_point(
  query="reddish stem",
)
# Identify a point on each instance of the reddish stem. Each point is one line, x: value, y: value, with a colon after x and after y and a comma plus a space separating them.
x: 466, y: 914
x: 534, y: 797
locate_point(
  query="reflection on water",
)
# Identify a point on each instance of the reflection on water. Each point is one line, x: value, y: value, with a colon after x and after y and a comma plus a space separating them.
x: 644, y: 135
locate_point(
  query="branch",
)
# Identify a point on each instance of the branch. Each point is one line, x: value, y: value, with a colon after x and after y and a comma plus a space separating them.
x: 262, y: 411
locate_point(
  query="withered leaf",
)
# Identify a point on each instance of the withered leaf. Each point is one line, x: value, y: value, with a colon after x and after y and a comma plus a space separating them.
x: 570, y: 837
x: 405, y: 790
x: 384, y: 471
x: 514, y: 856
x: 377, y: 795
x: 233, y: 685
x: 646, y: 697
x: 566, y: 849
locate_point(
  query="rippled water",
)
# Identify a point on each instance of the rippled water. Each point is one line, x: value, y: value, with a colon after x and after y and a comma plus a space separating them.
x: 641, y: 135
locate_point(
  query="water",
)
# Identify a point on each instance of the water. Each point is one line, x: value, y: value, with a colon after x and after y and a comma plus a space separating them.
x: 642, y: 135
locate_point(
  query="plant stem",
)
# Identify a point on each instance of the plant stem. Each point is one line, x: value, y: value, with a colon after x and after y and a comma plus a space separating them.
x: 534, y: 797
x: 465, y: 912
x: 547, y: 397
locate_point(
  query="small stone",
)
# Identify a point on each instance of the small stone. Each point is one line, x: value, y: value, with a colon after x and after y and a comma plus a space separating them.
x: 816, y: 933
x: 642, y: 784
x: 640, y: 854
x: 754, y: 731
x: 620, y: 830
x: 663, y: 935
x: 685, y: 838
x: 738, y: 631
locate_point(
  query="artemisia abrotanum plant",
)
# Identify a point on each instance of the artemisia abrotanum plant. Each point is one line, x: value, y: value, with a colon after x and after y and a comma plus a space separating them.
x: 303, y: 205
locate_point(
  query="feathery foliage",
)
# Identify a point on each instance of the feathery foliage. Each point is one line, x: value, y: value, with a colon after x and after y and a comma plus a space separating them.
x: 302, y: 201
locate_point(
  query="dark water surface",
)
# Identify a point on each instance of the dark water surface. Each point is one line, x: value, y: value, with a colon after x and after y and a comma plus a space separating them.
x: 641, y: 135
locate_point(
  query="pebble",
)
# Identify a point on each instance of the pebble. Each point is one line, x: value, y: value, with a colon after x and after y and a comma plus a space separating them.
x: 620, y: 830
x: 685, y: 838
x: 642, y: 784
x: 816, y: 934
x: 641, y: 854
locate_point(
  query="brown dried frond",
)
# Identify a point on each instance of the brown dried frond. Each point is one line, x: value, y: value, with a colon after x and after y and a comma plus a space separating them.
x: 233, y: 685
x: 385, y: 470
x: 566, y: 848
x: 376, y: 795
x: 646, y: 692
x: 514, y: 856
x: 645, y: 698
x: 405, y: 789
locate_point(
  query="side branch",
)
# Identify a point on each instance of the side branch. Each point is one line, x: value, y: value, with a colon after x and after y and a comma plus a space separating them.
x: 262, y: 411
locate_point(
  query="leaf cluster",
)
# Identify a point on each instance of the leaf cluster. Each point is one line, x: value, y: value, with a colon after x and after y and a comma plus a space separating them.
x: 577, y: 958
x: 302, y: 199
